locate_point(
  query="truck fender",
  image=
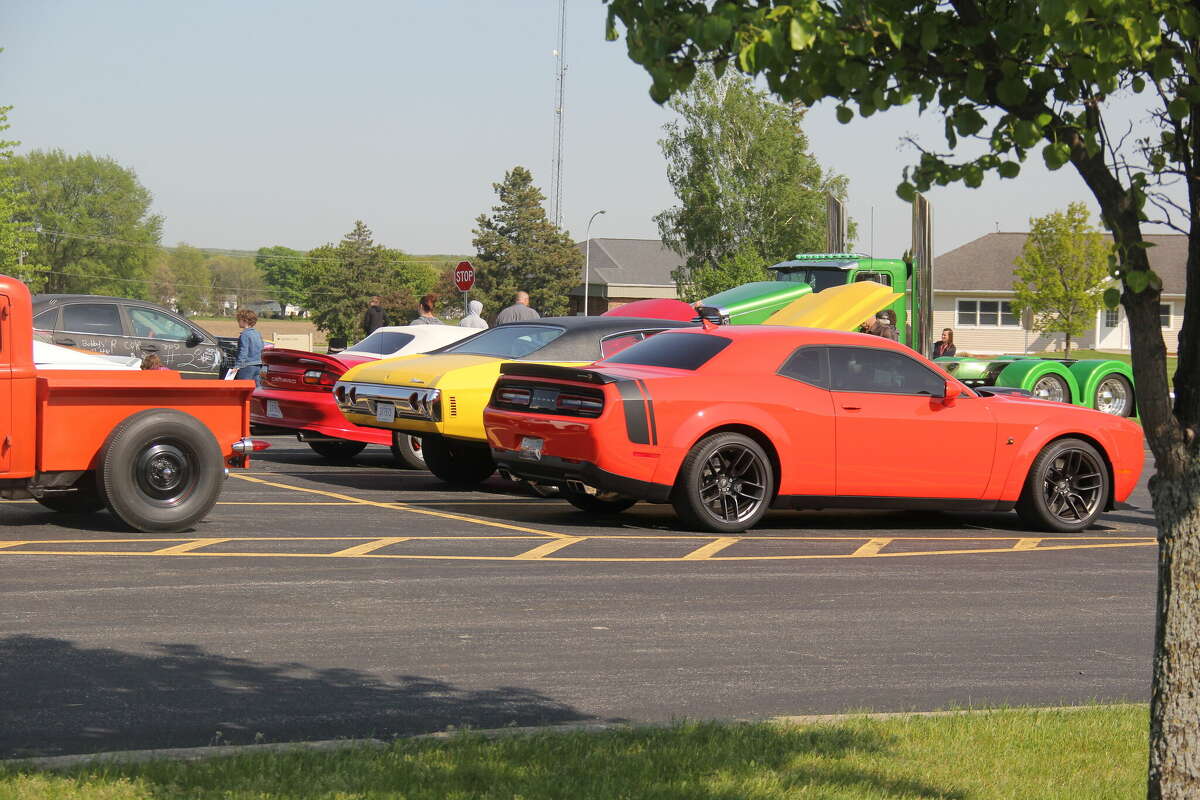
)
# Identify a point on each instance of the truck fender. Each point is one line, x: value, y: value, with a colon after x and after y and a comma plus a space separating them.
x: 1024, y: 373
x: 1090, y: 372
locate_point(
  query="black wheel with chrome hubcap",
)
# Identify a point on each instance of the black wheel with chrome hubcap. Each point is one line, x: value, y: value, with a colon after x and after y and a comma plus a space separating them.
x: 725, y: 484
x: 1066, y: 489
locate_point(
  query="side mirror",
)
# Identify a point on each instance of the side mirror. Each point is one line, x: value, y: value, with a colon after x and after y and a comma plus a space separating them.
x: 952, y: 391
x: 194, y: 339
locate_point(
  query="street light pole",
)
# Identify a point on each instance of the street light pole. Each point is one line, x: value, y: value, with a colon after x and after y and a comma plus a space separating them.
x: 587, y: 260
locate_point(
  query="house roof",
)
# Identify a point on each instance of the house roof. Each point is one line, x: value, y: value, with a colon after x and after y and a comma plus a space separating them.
x: 987, y: 263
x: 646, y: 262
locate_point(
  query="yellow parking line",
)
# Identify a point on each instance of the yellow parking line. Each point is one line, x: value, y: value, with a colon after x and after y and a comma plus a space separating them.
x: 1027, y: 544
x: 405, y: 507
x: 548, y: 548
x: 707, y: 550
x: 186, y: 547
x: 10, y: 544
x: 872, y: 547
x: 367, y: 547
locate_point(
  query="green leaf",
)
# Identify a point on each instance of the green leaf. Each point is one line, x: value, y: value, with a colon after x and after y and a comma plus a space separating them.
x: 906, y: 192
x: 929, y: 35
x: 1009, y: 169
x: 1138, y: 84
x: 801, y: 37
x: 1026, y: 134
x: 1011, y: 91
x: 893, y: 33
x: 844, y: 114
x: 1112, y: 298
x: 746, y: 58
x: 975, y: 83
x: 716, y: 31
x: 1056, y: 154
x: 1178, y: 108
x: 1137, y: 280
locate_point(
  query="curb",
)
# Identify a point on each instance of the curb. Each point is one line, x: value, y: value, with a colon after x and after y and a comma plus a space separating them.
x: 334, y: 745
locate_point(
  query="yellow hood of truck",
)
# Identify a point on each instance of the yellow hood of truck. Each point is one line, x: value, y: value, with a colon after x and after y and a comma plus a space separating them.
x: 839, y: 308
x: 415, y: 370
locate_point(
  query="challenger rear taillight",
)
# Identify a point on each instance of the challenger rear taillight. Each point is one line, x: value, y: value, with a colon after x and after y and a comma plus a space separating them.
x: 515, y: 396
x: 576, y: 404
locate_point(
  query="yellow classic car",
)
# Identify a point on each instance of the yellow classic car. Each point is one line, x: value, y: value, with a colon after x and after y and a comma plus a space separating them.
x: 441, y: 395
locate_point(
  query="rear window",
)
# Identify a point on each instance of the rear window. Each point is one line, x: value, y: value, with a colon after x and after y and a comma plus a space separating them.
x: 382, y: 342
x: 508, y: 341
x: 674, y: 350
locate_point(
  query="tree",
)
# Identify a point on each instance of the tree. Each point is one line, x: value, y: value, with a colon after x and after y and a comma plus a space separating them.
x: 187, y: 279
x: 746, y: 183
x: 235, y: 279
x: 97, y: 235
x: 282, y: 269
x: 1045, y: 74
x: 340, y: 279
x: 1062, y: 272
x: 519, y: 249
x: 16, y: 234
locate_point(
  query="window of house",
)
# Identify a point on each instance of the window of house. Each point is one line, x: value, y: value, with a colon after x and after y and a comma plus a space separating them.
x: 1112, y: 317
x: 987, y: 313
x: 1164, y: 315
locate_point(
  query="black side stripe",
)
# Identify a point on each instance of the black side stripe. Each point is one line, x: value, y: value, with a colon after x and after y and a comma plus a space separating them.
x: 636, y: 427
x: 650, y: 411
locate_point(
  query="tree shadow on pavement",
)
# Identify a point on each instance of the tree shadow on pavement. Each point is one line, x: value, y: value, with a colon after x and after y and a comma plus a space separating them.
x: 56, y: 698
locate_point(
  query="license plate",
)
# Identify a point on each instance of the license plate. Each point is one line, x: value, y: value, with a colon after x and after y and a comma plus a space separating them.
x: 385, y: 412
x: 531, y: 448
x: 273, y: 409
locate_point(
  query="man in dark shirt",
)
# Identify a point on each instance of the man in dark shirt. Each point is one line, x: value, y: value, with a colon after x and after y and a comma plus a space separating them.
x: 374, y: 318
x: 519, y: 311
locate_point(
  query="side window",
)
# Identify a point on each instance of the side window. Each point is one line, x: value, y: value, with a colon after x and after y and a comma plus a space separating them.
x: 47, y: 320
x: 99, y: 319
x: 878, y: 277
x: 150, y: 324
x: 862, y: 369
x: 808, y: 365
x: 615, y: 344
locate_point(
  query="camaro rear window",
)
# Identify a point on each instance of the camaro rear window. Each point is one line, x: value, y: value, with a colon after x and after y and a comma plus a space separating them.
x: 508, y: 341
x: 674, y: 350
x: 382, y: 342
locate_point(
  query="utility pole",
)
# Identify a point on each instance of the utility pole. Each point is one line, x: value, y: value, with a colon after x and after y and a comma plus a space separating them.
x: 556, y: 178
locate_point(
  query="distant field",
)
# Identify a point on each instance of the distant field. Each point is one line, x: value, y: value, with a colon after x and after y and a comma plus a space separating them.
x: 227, y: 326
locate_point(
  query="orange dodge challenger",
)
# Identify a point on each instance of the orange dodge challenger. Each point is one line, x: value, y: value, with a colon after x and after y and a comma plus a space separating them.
x: 726, y: 422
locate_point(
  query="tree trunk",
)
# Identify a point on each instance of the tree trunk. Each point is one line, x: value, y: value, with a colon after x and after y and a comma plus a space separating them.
x: 1175, y: 694
x: 1067, y: 345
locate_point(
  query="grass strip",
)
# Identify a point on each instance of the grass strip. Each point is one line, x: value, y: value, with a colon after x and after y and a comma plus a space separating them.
x: 1097, y: 752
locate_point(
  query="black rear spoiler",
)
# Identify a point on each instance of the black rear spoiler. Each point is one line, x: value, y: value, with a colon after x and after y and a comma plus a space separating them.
x: 555, y: 373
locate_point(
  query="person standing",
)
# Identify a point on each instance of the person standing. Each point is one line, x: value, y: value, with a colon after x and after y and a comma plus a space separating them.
x: 425, y: 307
x: 374, y: 318
x: 519, y: 311
x: 474, y: 317
x: 248, y: 362
x: 945, y: 345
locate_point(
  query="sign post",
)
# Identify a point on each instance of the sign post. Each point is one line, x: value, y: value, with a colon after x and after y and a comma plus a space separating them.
x: 464, y: 279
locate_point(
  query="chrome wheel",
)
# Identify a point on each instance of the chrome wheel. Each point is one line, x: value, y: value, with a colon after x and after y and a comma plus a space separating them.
x: 1114, y: 396
x: 1073, y: 485
x: 733, y: 483
x: 1051, y: 387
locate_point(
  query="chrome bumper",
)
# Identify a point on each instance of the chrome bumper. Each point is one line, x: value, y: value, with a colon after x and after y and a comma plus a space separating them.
x: 411, y: 403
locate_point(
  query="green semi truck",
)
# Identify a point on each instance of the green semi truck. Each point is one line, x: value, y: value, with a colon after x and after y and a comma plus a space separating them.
x: 1103, y: 384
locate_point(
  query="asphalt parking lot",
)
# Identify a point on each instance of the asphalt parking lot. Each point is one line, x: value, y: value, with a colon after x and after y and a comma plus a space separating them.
x: 322, y: 600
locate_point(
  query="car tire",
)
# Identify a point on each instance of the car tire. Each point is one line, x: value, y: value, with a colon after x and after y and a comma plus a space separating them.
x: 1114, y: 395
x: 604, y: 503
x: 161, y: 471
x: 85, y: 499
x: 408, y: 451
x: 337, y: 449
x: 457, y: 463
x: 1066, y: 489
x: 1052, y: 387
x: 708, y: 499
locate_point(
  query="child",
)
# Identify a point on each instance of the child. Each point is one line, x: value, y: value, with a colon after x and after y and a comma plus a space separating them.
x: 152, y: 361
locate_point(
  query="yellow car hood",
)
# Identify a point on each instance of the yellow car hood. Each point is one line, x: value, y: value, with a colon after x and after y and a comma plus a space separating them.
x: 839, y: 308
x: 415, y: 370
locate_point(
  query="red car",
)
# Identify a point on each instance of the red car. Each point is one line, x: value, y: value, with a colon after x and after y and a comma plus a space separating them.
x: 727, y: 422
x: 295, y: 394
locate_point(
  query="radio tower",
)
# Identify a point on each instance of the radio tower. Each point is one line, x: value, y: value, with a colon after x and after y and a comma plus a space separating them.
x: 561, y: 70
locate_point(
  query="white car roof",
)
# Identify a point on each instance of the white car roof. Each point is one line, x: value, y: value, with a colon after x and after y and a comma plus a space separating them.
x: 425, y: 338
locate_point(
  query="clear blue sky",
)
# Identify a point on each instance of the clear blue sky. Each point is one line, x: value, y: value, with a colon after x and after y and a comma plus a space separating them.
x: 263, y: 123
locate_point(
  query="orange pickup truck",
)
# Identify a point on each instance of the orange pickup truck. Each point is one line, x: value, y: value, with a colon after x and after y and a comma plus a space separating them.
x: 151, y: 447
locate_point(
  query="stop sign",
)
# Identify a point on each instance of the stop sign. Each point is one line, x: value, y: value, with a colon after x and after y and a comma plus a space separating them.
x: 464, y: 276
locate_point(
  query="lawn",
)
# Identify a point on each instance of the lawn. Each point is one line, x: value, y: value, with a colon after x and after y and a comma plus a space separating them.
x: 1085, y: 354
x: 227, y: 326
x: 1095, y: 753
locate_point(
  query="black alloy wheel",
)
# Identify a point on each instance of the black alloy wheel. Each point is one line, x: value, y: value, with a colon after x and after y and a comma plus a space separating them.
x: 458, y: 463
x: 1066, y: 489
x: 336, y: 449
x: 161, y: 471
x: 725, y: 484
